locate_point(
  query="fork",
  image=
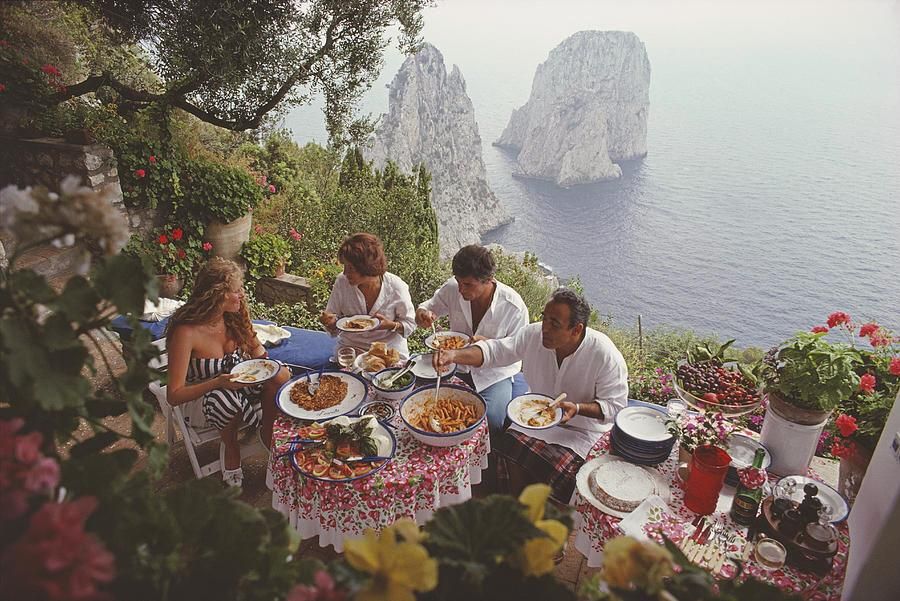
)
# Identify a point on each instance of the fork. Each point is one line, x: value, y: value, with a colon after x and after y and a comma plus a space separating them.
x: 435, y: 424
x: 313, y: 387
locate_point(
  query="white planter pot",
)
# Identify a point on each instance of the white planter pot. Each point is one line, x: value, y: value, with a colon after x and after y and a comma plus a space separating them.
x: 791, y: 445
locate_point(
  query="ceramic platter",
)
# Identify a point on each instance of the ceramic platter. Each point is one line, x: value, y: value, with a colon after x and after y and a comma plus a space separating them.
x: 387, y: 447
x: 440, y: 340
x: 357, y: 323
x: 643, y: 423
x: 254, y: 371
x: 583, y: 477
x: 357, y: 390
x: 827, y: 495
x: 521, y: 408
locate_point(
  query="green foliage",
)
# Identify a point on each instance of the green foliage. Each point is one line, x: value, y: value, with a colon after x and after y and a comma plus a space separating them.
x: 216, y: 191
x: 170, y: 251
x: 263, y: 253
x: 471, y: 542
x: 812, y: 373
x: 526, y: 277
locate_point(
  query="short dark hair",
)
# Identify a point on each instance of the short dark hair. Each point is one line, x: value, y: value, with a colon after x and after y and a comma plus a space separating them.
x: 579, y: 309
x: 365, y: 253
x: 474, y: 261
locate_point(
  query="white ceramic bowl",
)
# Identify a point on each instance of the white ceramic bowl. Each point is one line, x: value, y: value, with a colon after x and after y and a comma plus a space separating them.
x: 415, y: 402
x: 516, y: 414
x: 394, y: 394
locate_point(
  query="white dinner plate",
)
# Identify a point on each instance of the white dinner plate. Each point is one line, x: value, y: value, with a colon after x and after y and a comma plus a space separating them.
x: 522, y: 406
x: 434, y: 341
x: 643, y: 423
x: 254, y: 371
x: 345, y: 324
x: 357, y: 390
x: 584, y: 489
x: 828, y: 496
x: 424, y: 370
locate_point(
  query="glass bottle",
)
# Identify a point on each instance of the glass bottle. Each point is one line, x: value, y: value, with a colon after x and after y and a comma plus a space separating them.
x: 746, y: 501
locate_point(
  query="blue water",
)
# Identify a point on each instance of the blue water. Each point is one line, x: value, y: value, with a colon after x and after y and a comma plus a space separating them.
x: 770, y: 196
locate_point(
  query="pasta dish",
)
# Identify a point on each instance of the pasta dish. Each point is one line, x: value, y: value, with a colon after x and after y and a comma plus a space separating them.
x: 449, y: 343
x: 332, y: 391
x: 452, y: 415
x: 358, y: 324
x: 536, y: 413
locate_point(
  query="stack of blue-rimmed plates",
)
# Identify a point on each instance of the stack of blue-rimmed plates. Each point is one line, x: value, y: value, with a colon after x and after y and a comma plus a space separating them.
x: 640, y: 436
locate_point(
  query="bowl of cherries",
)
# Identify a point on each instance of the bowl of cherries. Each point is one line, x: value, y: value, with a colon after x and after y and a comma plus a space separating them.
x: 707, y: 383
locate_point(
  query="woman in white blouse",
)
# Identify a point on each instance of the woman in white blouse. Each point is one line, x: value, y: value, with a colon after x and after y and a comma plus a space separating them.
x: 367, y: 288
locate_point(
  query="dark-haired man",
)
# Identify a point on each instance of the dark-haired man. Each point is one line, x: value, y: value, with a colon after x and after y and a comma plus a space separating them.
x: 483, y: 308
x: 559, y: 354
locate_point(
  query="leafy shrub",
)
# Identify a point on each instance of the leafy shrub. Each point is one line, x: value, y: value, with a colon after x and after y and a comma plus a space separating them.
x: 263, y: 253
x: 216, y: 191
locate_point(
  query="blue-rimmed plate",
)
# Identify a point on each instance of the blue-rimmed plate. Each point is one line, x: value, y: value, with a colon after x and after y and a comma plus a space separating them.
x: 643, y: 423
x: 839, y: 507
x: 307, y: 462
x: 357, y: 391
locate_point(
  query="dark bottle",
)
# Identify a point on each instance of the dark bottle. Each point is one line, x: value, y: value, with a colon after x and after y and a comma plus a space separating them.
x: 746, y: 501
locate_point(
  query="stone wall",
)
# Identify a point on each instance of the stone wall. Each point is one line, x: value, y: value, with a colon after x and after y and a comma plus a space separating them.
x: 46, y: 161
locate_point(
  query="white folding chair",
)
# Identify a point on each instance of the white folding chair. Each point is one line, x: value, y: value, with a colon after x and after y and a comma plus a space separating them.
x: 193, y: 437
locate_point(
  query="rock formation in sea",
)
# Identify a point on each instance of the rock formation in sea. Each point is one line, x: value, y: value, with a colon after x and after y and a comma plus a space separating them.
x: 431, y: 120
x: 587, y: 111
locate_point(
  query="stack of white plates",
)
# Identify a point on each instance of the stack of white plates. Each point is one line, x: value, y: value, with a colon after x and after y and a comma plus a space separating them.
x: 640, y: 435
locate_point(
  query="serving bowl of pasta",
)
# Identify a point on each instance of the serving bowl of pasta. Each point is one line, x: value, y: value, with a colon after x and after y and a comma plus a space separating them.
x: 447, y: 421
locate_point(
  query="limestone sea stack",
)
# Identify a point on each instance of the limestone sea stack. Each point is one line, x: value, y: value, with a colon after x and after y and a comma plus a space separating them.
x: 588, y: 110
x: 431, y: 120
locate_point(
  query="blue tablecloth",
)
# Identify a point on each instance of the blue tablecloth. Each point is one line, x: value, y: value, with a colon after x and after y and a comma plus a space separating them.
x: 305, y: 348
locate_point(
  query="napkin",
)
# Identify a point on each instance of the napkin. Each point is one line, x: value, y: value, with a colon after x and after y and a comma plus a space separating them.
x: 159, y: 311
x: 652, y: 510
x: 270, y: 335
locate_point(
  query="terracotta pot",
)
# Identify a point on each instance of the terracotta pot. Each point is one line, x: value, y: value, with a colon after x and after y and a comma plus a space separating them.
x: 227, y: 238
x: 852, y: 471
x: 794, y: 414
x: 279, y: 269
x: 169, y: 285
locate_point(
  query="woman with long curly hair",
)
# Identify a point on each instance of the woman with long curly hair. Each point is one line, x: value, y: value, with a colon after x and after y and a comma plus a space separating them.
x: 205, y: 338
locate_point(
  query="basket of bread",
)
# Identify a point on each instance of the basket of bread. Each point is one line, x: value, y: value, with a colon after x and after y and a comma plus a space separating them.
x: 378, y: 357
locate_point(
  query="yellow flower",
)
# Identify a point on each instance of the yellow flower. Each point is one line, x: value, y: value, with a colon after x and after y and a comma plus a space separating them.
x: 537, y: 554
x: 397, y: 568
x: 628, y: 563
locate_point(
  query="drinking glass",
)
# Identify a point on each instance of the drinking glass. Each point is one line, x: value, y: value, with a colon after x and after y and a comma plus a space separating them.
x: 709, y: 465
x: 675, y: 407
x: 346, y: 355
x: 770, y: 554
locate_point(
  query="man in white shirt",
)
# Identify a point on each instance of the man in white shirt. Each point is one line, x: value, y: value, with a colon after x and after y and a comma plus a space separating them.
x: 485, y: 309
x: 560, y: 354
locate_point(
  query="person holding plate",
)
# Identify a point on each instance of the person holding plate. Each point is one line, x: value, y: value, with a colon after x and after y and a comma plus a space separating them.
x: 484, y: 309
x: 205, y: 339
x: 559, y: 354
x: 367, y: 288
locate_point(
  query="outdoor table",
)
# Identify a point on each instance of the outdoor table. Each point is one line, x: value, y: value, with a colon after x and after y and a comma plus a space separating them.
x: 594, y: 528
x: 419, y: 480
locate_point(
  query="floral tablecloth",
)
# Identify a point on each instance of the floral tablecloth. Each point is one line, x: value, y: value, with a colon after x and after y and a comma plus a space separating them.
x: 594, y: 528
x: 418, y: 481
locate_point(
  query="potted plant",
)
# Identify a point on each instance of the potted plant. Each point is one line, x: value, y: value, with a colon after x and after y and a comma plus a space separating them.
x: 809, y: 376
x: 265, y: 254
x: 860, y: 418
x: 221, y: 197
x: 174, y: 255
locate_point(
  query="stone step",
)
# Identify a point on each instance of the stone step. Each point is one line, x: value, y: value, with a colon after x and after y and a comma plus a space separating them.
x: 57, y: 265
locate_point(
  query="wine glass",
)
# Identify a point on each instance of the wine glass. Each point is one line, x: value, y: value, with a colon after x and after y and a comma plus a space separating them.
x: 825, y: 514
x: 346, y: 355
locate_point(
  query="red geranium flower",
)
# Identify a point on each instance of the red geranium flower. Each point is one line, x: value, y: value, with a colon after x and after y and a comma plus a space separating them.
x: 272, y: 188
x: 837, y: 318
x: 895, y: 366
x: 879, y: 338
x: 163, y: 239
x: 139, y: 173
x: 867, y: 383
x: 867, y: 329
x: 152, y: 160
x: 207, y: 246
x: 819, y: 329
x: 177, y: 233
x: 846, y: 425
x: 842, y: 450
x: 2, y: 88
x: 181, y: 253
x: 51, y: 70
x: 296, y: 235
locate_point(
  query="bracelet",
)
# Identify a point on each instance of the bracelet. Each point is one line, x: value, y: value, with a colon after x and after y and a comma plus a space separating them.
x: 577, y: 408
x: 398, y: 327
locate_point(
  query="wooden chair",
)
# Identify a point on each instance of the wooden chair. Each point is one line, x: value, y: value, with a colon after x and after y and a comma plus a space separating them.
x: 193, y: 437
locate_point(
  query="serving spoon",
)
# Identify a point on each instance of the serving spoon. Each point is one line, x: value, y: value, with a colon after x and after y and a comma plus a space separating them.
x: 389, y: 381
x: 432, y: 420
x: 551, y: 405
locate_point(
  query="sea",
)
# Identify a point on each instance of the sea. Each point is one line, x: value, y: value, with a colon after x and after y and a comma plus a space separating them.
x: 770, y: 194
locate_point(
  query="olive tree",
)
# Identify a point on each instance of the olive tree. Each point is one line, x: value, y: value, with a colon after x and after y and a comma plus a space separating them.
x: 232, y: 62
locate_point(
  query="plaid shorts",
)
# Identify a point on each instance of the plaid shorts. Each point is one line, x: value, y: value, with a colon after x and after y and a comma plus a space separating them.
x: 551, y: 464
